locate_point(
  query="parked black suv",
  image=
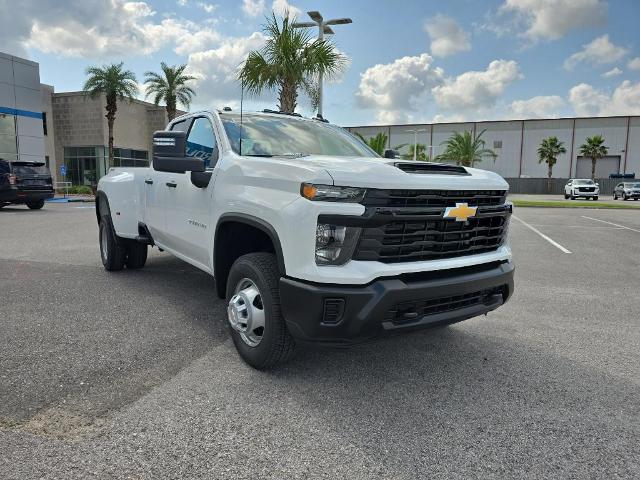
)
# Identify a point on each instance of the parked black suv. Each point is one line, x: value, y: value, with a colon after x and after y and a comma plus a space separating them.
x: 24, y: 182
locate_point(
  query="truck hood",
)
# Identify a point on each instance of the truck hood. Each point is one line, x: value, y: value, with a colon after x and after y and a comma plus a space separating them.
x: 384, y: 174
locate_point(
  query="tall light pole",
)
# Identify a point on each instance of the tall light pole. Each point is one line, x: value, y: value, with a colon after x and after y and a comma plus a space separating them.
x: 323, y: 27
x: 415, y: 141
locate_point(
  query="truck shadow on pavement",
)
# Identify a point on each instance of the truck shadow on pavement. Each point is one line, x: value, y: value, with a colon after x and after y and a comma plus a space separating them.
x: 456, y: 396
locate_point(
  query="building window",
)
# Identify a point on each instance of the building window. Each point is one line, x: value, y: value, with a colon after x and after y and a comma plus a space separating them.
x: 85, y: 165
x: 44, y: 123
x: 8, y: 139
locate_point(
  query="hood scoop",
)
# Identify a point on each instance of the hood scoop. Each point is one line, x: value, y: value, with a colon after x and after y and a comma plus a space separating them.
x: 431, y: 168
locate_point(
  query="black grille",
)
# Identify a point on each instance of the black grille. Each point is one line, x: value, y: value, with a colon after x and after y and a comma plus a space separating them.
x: 413, y: 311
x: 587, y: 189
x: 432, y: 198
x: 408, y: 226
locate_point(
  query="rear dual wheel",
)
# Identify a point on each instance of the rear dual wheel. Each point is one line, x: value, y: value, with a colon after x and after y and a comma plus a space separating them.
x: 37, y: 205
x: 117, y: 252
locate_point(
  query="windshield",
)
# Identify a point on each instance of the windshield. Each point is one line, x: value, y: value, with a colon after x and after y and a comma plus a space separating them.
x: 273, y: 136
x: 583, y: 182
x: 632, y: 185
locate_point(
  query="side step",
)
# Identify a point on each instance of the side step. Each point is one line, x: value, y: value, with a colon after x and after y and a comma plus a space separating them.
x: 144, y: 236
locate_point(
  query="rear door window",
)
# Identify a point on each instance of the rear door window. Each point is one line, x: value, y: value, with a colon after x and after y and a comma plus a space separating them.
x: 35, y: 169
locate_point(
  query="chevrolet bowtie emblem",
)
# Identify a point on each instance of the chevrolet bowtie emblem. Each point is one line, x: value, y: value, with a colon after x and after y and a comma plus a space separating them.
x: 461, y: 212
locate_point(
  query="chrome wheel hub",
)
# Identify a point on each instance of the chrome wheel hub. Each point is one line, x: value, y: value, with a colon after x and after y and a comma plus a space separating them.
x: 246, y: 312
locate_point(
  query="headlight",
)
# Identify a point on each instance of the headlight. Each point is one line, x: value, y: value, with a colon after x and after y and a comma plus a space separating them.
x: 330, y: 193
x: 335, y: 243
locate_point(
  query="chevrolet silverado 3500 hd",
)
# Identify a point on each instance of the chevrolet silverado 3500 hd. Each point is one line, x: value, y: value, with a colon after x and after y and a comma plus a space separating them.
x: 309, y: 234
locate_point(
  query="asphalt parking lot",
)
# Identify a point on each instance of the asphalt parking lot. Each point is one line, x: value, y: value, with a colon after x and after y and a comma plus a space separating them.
x: 133, y: 374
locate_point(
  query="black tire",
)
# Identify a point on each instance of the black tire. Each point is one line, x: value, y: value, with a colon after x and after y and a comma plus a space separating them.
x: 37, y: 205
x: 277, y: 345
x: 595, y: 199
x: 566, y: 197
x: 112, y: 249
x: 615, y: 197
x: 136, y: 254
x: 624, y: 197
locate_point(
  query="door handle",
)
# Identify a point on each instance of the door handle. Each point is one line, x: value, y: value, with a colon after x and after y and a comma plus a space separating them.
x: 148, y: 181
x: 172, y: 184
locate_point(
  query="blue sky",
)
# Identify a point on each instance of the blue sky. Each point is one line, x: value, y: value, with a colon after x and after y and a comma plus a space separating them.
x: 410, y: 61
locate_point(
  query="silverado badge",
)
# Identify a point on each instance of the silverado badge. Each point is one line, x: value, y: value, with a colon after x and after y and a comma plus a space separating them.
x: 461, y: 212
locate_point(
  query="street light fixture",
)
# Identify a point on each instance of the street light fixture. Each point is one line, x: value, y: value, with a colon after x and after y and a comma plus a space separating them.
x: 415, y: 141
x: 323, y: 27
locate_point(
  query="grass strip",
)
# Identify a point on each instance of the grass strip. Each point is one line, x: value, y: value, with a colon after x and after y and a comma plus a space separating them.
x: 572, y: 204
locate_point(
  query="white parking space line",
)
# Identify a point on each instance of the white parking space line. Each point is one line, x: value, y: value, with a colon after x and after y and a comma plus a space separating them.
x: 587, y: 227
x: 550, y: 240
x: 611, y: 223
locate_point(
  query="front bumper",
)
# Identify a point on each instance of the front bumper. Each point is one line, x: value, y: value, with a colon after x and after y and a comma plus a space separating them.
x: 14, y: 195
x: 343, y: 315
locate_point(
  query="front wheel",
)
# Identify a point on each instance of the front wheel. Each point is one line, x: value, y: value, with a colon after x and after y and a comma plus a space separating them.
x: 257, y: 326
x: 112, y: 250
x: 566, y: 197
x: 595, y: 198
x: 37, y: 205
x: 624, y: 197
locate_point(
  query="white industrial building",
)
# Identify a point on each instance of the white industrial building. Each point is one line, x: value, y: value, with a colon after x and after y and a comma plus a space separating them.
x: 516, y: 143
x: 21, y: 113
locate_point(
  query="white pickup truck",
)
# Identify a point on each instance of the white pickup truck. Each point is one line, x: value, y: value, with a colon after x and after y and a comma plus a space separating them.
x: 309, y: 234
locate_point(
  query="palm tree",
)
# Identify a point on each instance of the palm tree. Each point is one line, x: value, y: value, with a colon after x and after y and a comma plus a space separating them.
x: 548, y: 151
x: 421, y: 152
x: 170, y: 86
x: 465, y: 149
x: 290, y: 60
x: 594, y: 149
x: 115, y: 84
x: 378, y: 143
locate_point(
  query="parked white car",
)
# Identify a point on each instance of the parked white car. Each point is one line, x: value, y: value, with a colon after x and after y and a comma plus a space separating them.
x: 310, y: 235
x: 581, y: 187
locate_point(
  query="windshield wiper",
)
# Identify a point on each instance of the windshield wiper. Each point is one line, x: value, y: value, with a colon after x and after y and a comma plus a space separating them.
x: 293, y: 155
x: 257, y: 155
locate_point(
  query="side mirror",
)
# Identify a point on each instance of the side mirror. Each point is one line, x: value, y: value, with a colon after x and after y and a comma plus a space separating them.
x: 170, y: 153
x: 391, y: 154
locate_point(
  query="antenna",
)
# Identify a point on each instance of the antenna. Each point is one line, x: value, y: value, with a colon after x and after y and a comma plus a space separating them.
x: 241, y: 101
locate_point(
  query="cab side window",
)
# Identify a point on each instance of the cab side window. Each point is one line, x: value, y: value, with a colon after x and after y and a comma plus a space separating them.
x: 181, y: 126
x: 201, y: 142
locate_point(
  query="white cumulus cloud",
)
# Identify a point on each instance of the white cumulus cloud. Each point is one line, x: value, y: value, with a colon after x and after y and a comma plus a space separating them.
x: 589, y: 101
x: 614, y: 72
x: 634, y: 63
x: 281, y: 7
x: 207, y: 7
x: 447, y: 37
x: 544, y: 106
x: 476, y: 91
x: 253, y: 8
x: 216, y: 70
x: 394, y: 88
x: 96, y: 29
x: 553, y: 19
x: 600, y: 51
